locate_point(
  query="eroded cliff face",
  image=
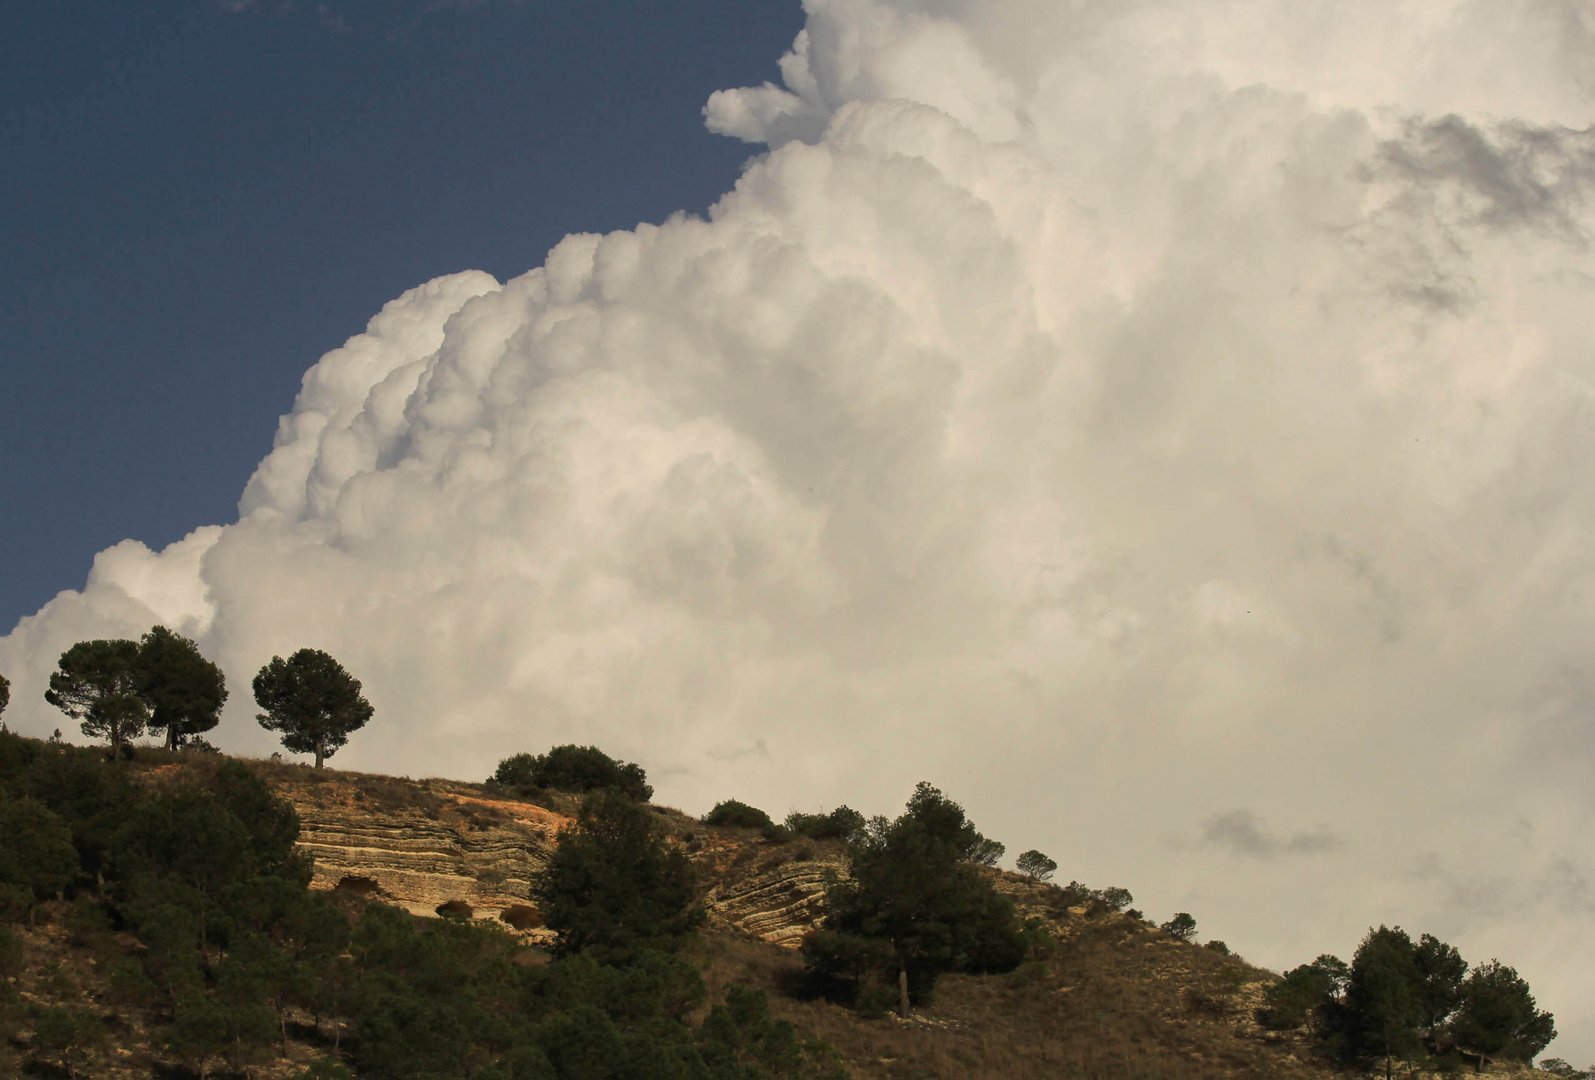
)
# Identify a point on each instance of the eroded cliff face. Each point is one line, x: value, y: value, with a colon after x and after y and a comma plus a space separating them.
x: 430, y: 847
x: 443, y: 848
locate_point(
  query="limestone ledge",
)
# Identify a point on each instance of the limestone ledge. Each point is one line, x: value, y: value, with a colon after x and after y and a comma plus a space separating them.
x: 449, y: 853
x: 780, y: 904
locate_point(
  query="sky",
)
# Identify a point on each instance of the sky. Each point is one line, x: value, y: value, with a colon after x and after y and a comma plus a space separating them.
x: 1163, y: 425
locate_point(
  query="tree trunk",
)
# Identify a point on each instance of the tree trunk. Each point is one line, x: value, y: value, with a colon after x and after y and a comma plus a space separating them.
x: 902, y: 986
x: 171, y: 736
x: 320, y: 754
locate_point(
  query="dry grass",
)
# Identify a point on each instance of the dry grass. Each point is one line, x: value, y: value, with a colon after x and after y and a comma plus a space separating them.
x: 1116, y: 1001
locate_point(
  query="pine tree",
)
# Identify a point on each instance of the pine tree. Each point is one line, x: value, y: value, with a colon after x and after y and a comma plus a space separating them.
x: 312, y: 700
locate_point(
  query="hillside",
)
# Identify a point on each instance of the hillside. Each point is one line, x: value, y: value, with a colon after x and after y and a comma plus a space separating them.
x: 1111, y: 997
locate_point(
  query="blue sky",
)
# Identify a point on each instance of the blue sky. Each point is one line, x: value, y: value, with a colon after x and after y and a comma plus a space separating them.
x: 202, y: 198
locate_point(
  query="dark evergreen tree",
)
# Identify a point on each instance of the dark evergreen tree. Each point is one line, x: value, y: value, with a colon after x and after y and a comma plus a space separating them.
x: 613, y: 887
x: 5, y: 698
x: 1182, y: 927
x: 37, y: 859
x: 312, y: 701
x: 1306, y: 993
x: 912, y: 885
x: 97, y: 682
x: 183, y: 691
x: 1036, y: 866
x: 67, y: 1035
x: 1441, y: 970
x: 1498, y: 1016
x: 1384, y: 998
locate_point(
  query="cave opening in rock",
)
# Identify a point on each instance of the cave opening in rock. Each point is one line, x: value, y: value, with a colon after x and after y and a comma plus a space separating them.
x: 521, y: 916
x: 455, y: 909
x: 359, y: 886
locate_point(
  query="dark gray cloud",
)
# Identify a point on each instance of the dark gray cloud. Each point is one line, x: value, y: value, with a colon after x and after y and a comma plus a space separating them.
x: 1244, y: 833
x: 1510, y: 174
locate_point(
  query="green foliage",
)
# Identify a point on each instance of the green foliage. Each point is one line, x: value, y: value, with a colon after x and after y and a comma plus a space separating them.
x: 89, y: 793
x: 97, y: 682
x: 1440, y: 973
x: 578, y: 769
x: 5, y: 693
x: 36, y: 852
x: 612, y: 886
x: 183, y: 691
x: 312, y: 701
x: 912, y: 885
x: 200, y: 869
x: 11, y: 953
x: 67, y: 1036
x: 1036, y: 866
x: 1498, y: 1016
x: 738, y: 815
x: 1096, y: 901
x: 740, y: 1039
x: 839, y: 824
x: 1384, y: 996
x: 1305, y: 992
x: 1181, y: 928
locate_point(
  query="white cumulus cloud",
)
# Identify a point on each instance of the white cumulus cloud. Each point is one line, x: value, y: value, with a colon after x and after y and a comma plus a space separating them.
x: 1117, y: 414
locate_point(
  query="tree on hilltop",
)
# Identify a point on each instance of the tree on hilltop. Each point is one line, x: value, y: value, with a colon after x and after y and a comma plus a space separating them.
x: 915, y: 899
x: 1036, y: 866
x: 182, y: 689
x: 5, y: 698
x: 312, y: 700
x: 1498, y: 1016
x: 1181, y: 928
x: 97, y: 682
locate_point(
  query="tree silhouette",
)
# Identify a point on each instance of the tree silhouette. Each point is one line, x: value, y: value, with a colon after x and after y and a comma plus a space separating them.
x: 613, y: 887
x: 913, y: 886
x: 312, y: 700
x: 183, y: 691
x: 97, y: 682
x: 1036, y: 866
x: 1498, y: 1016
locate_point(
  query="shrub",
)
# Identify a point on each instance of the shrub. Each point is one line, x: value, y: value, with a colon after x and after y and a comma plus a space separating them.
x: 572, y: 768
x: 1113, y: 898
x: 1181, y: 928
x: 839, y: 824
x: 738, y: 815
x: 1036, y: 866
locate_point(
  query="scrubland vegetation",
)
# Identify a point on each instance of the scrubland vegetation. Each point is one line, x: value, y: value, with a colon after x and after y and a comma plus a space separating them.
x: 156, y: 920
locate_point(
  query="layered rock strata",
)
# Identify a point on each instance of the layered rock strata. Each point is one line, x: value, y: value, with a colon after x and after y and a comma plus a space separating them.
x: 426, y: 848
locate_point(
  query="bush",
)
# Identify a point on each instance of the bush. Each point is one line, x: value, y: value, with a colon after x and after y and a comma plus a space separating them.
x: 1113, y: 898
x: 572, y: 768
x: 1036, y: 866
x: 1181, y: 928
x: 839, y: 824
x: 738, y: 815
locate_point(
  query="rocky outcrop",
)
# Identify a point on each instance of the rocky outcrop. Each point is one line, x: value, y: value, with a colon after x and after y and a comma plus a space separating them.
x: 427, y: 847
x: 780, y: 904
x: 442, y: 848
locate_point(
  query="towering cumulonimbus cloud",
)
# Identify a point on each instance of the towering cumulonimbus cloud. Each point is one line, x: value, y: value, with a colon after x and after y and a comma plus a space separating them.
x: 1138, y: 418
